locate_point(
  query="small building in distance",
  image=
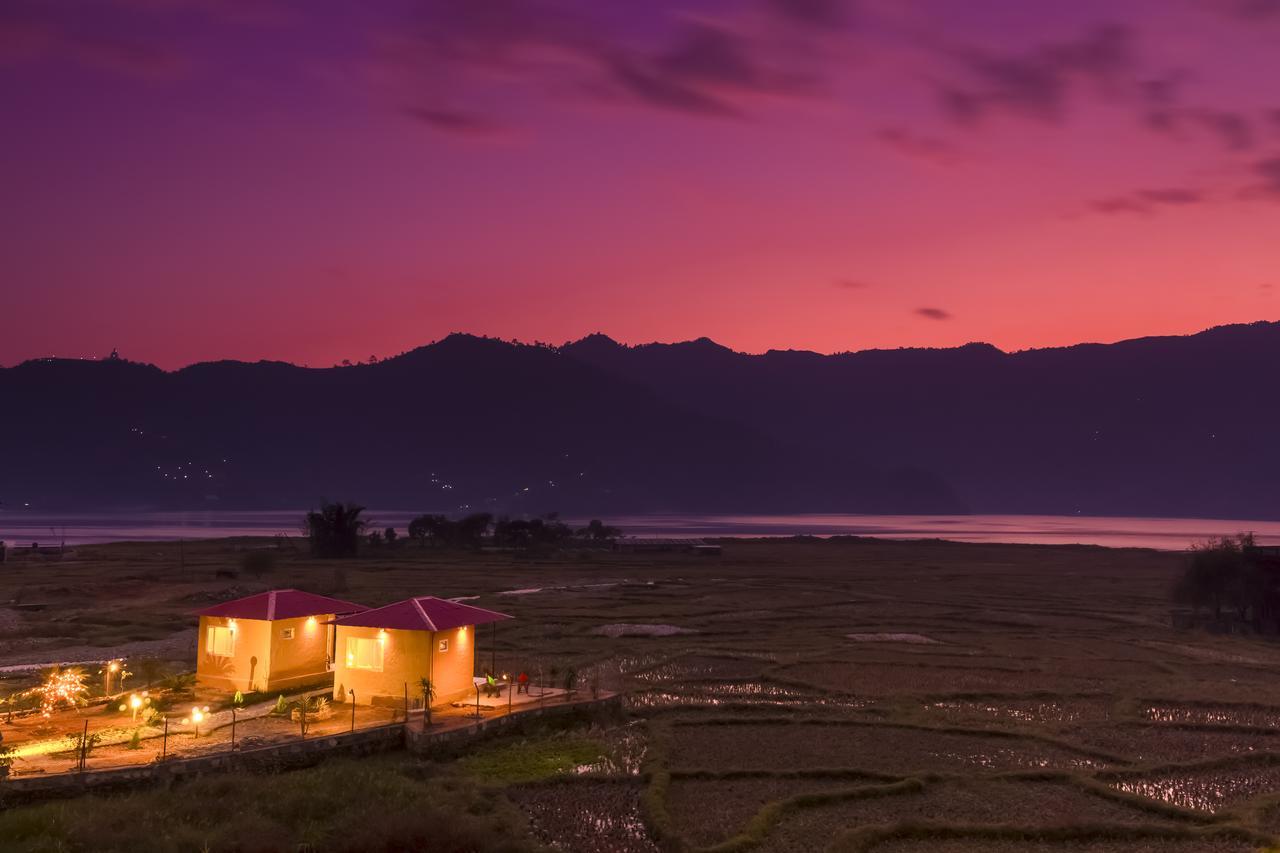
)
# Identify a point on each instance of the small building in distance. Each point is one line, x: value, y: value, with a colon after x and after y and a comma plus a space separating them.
x: 669, y: 545
x: 274, y: 640
x: 384, y: 652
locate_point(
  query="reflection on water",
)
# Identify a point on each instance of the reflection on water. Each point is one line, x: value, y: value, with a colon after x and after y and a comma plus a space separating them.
x: 585, y: 816
x: 1220, y: 715
x: 22, y: 527
x: 1030, y: 711
x: 626, y: 748
x: 746, y: 693
x: 1206, y: 792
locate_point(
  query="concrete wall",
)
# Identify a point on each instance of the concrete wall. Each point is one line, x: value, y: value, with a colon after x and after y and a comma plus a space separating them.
x: 247, y: 668
x: 263, y: 659
x: 453, y: 670
x: 295, y: 754
x: 304, y: 753
x: 407, y: 658
x: 304, y: 659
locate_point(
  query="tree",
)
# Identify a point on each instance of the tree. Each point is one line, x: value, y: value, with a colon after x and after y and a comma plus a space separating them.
x: 428, y: 696
x: 427, y: 528
x: 258, y: 562
x: 334, y: 530
x: 151, y: 670
x: 390, y: 536
x: 1220, y: 573
x: 597, y: 531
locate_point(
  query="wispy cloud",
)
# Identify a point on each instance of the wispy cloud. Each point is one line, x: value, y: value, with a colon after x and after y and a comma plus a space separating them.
x: 920, y: 147
x: 1036, y: 84
x: 933, y: 313
x: 1146, y: 202
x: 456, y: 121
x: 690, y: 64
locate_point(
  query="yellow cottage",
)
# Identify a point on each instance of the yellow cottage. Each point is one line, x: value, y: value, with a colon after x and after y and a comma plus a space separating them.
x: 274, y: 640
x: 385, y: 651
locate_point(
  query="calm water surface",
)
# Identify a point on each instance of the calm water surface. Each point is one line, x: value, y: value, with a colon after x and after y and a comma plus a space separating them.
x: 22, y: 528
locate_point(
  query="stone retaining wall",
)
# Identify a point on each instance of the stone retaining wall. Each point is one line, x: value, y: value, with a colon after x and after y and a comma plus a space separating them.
x: 299, y: 753
x: 448, y: 742
x: 304, y: 753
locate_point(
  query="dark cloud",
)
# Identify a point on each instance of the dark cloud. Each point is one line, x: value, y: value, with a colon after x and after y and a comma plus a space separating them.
x: 699, y: 67
x: 1037, y: 85
x: 1249, y: 10
x: 703, y: 71
x: 831, y: 14
x: 31, y: 31
x: 915, y: 146
x: 456, y: 121
x: 933, y: 313
x: 1177, y: 195
x: 1269, y: 172
x: 1234, y: 130
x: 1146, y: 202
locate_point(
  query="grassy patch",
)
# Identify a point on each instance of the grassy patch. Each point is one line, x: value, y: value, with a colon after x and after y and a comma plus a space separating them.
x: 509, y: 763
x: 374, y: 804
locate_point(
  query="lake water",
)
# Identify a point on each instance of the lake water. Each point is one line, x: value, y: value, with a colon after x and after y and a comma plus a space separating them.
x: 21, y: 528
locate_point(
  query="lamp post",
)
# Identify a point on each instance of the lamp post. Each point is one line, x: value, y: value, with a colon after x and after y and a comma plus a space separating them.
x: 233, y: 728
x: 164, y: 744
x: 135, y: 702
x: 351, y: 694
x: 197, y: 714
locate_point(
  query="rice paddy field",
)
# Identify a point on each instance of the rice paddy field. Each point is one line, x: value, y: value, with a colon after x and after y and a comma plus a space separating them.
x: 799, y: 694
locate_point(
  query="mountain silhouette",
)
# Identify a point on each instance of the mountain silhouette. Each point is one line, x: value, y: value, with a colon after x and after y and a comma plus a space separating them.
x: 1153, y: 426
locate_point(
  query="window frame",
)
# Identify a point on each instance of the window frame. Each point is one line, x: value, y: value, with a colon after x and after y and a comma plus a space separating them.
x: 353, y: 654
x: 211, y: 644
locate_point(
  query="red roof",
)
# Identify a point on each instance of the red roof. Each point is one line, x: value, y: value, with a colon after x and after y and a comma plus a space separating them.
x: 282, y: 604
x: 425, y: 613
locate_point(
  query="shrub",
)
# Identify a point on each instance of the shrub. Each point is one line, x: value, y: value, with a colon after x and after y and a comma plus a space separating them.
x: 258, y: 563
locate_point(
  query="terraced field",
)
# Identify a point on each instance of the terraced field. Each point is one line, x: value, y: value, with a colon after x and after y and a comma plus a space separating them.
x: 855, y: 695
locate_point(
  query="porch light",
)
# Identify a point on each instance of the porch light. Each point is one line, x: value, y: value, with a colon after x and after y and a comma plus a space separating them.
x: 231, y: 624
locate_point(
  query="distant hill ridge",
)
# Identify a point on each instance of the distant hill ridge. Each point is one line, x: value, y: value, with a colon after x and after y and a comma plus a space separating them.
x: 1152, y: 426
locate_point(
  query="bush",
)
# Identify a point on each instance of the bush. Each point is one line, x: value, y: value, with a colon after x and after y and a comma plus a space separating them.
x: 371, y: 805
x: 258, y: 563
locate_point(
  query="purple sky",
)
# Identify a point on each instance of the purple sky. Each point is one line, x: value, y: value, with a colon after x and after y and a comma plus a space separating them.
x: 312, y: 181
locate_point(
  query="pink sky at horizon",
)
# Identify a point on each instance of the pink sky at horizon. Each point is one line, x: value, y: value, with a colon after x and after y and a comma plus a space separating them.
x: 200, y: 179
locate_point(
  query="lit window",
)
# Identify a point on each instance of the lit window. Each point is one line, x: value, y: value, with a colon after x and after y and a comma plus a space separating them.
x: 220, y: 641
x: 364, y: 653
x: 286, y: 633
x: 444, y: 645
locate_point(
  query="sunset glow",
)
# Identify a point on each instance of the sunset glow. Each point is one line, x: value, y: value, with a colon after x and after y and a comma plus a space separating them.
x: 200, y: 180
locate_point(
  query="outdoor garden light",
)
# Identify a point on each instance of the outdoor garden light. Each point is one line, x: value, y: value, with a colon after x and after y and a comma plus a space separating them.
x: 197, y: 714
x: 135, y: 702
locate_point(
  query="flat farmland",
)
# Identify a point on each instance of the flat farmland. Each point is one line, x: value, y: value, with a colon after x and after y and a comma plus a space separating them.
x: 845, y: 694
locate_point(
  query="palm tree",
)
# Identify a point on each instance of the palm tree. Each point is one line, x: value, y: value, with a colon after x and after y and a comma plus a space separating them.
x: 428, y: 694
x: 334, y: 529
